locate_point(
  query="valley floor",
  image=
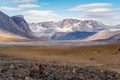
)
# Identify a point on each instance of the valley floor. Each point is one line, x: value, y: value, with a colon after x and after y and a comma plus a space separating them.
x: 61, y: 59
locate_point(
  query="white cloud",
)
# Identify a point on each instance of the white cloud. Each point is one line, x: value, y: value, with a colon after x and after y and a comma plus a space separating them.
x: 28, y: 6
x: 102, y: 10
x: 41, y: 16
x: 23, y: 1
x: 38, y: 12
x: 90, y: 6
x: 19, y: 7
x: 8, y: 9
x: 98, y: 15
x: 106, y: 18
x: 99, y: 11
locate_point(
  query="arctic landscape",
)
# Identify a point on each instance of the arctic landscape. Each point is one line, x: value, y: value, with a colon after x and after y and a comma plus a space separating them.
x: 16, y: 29
x: 67, y: 49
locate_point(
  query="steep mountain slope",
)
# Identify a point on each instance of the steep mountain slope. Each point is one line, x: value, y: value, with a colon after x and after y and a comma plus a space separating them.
x: 108, y: 34
x: 8, y: 24
x: 20, y: 21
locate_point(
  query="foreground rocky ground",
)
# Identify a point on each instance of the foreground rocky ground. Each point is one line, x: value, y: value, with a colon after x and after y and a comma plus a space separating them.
x: 12, y: 68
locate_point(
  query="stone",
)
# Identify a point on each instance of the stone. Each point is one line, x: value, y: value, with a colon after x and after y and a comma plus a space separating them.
x: 12, y: 66
x: 28, y: 78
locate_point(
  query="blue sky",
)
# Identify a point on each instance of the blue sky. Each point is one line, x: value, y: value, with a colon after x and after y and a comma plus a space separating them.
x: 105, y: 11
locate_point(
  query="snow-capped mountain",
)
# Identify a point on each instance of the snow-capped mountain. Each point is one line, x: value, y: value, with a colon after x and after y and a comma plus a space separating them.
x: 68, y: 29
x: 67, y: 25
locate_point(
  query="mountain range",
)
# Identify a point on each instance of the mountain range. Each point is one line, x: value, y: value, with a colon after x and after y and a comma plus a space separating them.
x: 17, y: 28
x: 72, y: 29
x: 68, y: 25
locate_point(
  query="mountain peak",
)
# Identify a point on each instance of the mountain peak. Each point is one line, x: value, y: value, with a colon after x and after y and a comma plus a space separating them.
x: 19, y: 19
x: 15, y: 26
x: 19, y: 16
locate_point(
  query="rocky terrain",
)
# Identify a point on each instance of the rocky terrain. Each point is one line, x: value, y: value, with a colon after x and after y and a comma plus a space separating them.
x: 12, y: 68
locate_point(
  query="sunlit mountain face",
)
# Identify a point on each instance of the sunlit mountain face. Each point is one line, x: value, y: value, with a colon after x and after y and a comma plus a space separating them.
x: 72, y: 29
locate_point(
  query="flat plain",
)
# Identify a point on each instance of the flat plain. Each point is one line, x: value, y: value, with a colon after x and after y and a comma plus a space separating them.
x: 105, y: 56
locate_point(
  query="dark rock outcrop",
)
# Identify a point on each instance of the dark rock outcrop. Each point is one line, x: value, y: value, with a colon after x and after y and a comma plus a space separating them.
x: 20, y: 21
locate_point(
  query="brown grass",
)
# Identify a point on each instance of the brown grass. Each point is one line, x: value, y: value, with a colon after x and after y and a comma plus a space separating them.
x: 98, y: 55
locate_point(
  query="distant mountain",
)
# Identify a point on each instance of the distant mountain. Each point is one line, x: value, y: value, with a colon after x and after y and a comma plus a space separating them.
x: 68, y: 25
x: 68, y: 29
x: 115, y: 38
x: 109, y: 34
x: 118, y: 25
x: 14, y: 25
x: 115, y: 27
